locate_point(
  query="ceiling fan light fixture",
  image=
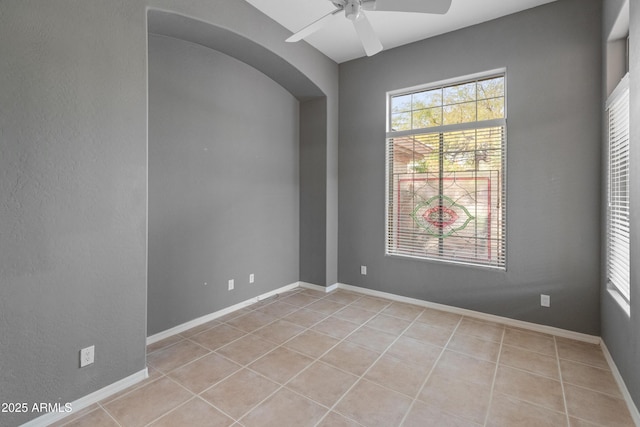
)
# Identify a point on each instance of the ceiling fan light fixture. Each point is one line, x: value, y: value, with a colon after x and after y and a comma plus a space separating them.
x: 352, y: 10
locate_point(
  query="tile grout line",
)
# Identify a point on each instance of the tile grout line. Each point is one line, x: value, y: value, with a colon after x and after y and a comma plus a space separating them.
x: 77, y: 418
x: 264, y: 326
x: 564, y: 395
x: 493, y: 382
x: 317, y: 359
x: 232, y: 374
x: 361, y: 377
x: 532, y: 403
x: 282, y: 345
x: 264, y: 304
x: 444, y: 348
x: 218, y: 382
x: 177, y: 406
x: 210, y: 352
x: 527, y: 349
x: 523, y: 370
x: 133, y: 388
x: 164, y: 413
x: 109, y: 414
x: 235, y: 420
x: 243, y: 366
x: 560, y: 378
x: 217, y: 408
x: 202, y: 346
x: 589, y: 365
x: 340, y: 341
x: 246, y: 333
x: 613, y: 396
x: 170, y: 411
x: 246, y: 366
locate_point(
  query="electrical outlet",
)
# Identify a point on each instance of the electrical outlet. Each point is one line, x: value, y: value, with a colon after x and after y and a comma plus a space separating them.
x: 545, y: 300
x: 363, y: 270
x: 231, y: 284
x: 252, y: 278
x: 86, y: 356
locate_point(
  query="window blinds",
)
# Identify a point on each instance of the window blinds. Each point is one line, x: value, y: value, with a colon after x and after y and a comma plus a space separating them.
x: 618, y: 259
x: 446, y: 173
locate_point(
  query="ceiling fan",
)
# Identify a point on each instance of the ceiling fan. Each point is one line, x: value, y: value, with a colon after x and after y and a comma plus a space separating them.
x: 355, y: 11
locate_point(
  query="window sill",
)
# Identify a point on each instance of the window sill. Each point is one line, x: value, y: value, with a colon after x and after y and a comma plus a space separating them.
x: 448, y: 262
x: 624, y: 305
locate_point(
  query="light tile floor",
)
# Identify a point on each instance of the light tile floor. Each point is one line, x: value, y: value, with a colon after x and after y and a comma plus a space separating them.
x: 306, y: 358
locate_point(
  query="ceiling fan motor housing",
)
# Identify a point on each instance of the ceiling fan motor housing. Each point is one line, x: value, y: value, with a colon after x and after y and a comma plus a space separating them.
x: 352, y: 9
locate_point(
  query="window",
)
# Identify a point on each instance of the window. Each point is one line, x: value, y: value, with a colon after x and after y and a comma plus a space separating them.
x: 618, y: 264
x: 446, y: 171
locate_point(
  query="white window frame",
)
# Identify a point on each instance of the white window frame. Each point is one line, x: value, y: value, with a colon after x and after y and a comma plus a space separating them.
x: 618, y: 224
x: 501, y: 264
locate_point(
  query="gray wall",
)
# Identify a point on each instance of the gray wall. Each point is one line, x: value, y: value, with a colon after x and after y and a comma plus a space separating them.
x: 313, y: 204
x: 620, y: 332
x: 223, y: 182
x: 553, y: 59
x: 73, y: 167
x: 312, y: 79
x: 72, y: 197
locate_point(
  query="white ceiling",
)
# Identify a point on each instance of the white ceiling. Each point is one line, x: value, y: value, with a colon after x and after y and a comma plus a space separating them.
x: 339, y: 41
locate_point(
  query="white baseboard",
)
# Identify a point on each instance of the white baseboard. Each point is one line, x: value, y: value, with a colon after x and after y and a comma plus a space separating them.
x: 333, y: 287
x: 212, y: 316
x: 325, y: 289
x: 633, y: 410
x: 477, y: 315
x: 89, y: 399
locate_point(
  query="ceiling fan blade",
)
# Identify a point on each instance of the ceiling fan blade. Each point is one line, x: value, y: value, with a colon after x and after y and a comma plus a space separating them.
x: 314, y: 26
x: 367, y: 36
x: 421, y: 6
